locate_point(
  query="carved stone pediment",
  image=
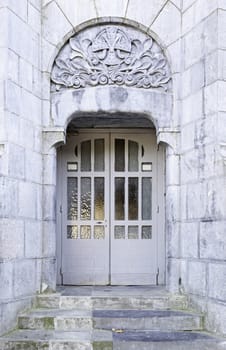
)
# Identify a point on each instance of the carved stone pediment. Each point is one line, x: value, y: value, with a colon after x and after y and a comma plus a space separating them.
x: 111, y: 54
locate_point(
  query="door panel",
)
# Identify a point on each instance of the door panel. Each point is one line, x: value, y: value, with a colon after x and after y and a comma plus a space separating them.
x: 133, y: 228
x: 109, y: 232
x: 85, y: 244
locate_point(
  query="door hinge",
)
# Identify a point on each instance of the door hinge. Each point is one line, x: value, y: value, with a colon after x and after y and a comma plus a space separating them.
x: 157, y: 277
x: 157, y: 209
x: 61, y: 210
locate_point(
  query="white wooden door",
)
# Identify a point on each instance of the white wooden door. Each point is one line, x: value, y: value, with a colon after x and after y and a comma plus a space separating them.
x: 109, y: 231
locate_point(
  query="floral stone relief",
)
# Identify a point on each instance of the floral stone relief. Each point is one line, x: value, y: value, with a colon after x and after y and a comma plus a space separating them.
x: 114, y: 55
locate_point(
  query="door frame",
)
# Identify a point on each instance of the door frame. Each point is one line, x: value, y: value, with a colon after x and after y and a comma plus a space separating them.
x: 160, y: 197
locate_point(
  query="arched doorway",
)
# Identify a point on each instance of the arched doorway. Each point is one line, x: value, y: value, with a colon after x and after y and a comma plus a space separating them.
x: 96, y: 84
x: 109, y: 187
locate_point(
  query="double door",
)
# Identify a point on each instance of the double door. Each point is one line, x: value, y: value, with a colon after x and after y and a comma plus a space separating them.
x: 109, y: 200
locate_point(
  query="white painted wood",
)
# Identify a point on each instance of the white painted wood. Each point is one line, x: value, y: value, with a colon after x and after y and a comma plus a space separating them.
x: 115, y: 261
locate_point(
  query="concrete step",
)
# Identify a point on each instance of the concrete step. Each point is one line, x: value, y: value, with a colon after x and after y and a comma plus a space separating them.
x: 105, y: 340
x: 154, y: 340
x: 56, y: 340
x: 166, y: 301
x: 75, y: 320
x: 147, y: 320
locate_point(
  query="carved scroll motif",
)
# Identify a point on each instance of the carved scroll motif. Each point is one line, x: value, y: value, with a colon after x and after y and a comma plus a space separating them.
x: 112, y: 56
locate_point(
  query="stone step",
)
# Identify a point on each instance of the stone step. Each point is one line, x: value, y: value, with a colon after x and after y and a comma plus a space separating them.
x: 75, y: 320
x: 147, y: 320
x: 154, y: 340
x: 56, y: 340
x: 106, y: 340
x: 166, y: 301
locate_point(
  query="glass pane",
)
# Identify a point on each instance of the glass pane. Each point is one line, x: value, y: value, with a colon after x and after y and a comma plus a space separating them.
x: 99, y: 232
x: 133, y: 198
x: 99, y: 198
x: 72, y: 232
x: 72, y: 166
x: 133, y: 156
x: 99, y: 155
x: 72, y: 198
x: 133, y: 232
x: 146, y: 198
x: 119, y: 155
x: 85, y: 232
x: 119, y: 198
x: 86, y: 156
x: 85, y: 198
x: 146, y: 232
x: 119, y: 232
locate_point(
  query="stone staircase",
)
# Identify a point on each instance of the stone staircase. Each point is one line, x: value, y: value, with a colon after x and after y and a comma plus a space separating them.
x: 119, y: 318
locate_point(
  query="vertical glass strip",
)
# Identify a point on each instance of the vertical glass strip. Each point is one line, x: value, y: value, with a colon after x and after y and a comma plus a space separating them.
x: 99, y: 198
x: 72, y: 232
x: 86, y: 156
x: 119, y: 232
x: 146, y: 198
x: 119, y: 155
x: 99, y: 155
x: 85, y: 232
x: 72, y: 198
x: 85, y: 198
x: 133, y: 198
x: 99, y: 232
x: 146, y: 232
x: 133, y: 155
x: 119, y: 198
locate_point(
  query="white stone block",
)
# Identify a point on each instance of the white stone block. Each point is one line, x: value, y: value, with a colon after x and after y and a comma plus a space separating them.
x: 48, y: 54
x: 6, y: 277
x: 167, y: 24
x: 211, y: 98
x: 25, y: 73
x: 16, y: 161
x: 195, y: 201
x: 172, y: 203
x: 187, y: 3
x: 13, y: 127
x: 36, y: 82
x: 197, y: 76
x: 24, y: 278
x: 188, y: 19
x: 188, y: 137
x: 173, y: 169
x: 49, y: 239
x: 13, y: 66
x: 11, y: 239
x: 174, y: 51
x: 221, y: 126
x: 216, y: 317
x: 26, y: 133
x: 33, y: 166
x: 49, y: 202
x: 19, y: 7
x: 136, y: 12
x: 192, y: 107
x: 4, y: 15
x: 197, y: 278
x: 34, y: 18
x: 173, y: 239
x: 49, y: 273
x: 9, y: 197
x: 12, y: 97
x: 115, y: 8
x: 189, y: 240
x: 212, y: 67
x: 31, y: 107
x: 193, y: 44
x: 38, y: 139
x: 190, y: 163
x: 222, y: 96
x: 217, y: 281
x: 222, y: 29
x: 36, y: 3
x: 213, y: 240
x: 173, y: 275
x: 27, y: 200
x: 210, y: 33
x: 33, y: 239
x: 49, y: 171
x: 55, y: 24
x: 39, y: 202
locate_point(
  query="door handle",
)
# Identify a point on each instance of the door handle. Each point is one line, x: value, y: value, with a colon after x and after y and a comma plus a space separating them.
x: 100, y: 222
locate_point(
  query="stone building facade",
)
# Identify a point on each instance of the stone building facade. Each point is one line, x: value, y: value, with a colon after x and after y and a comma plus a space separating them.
x: 56, y: 77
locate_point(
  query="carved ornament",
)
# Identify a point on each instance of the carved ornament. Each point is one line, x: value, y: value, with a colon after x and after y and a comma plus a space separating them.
x: 111, y: 54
